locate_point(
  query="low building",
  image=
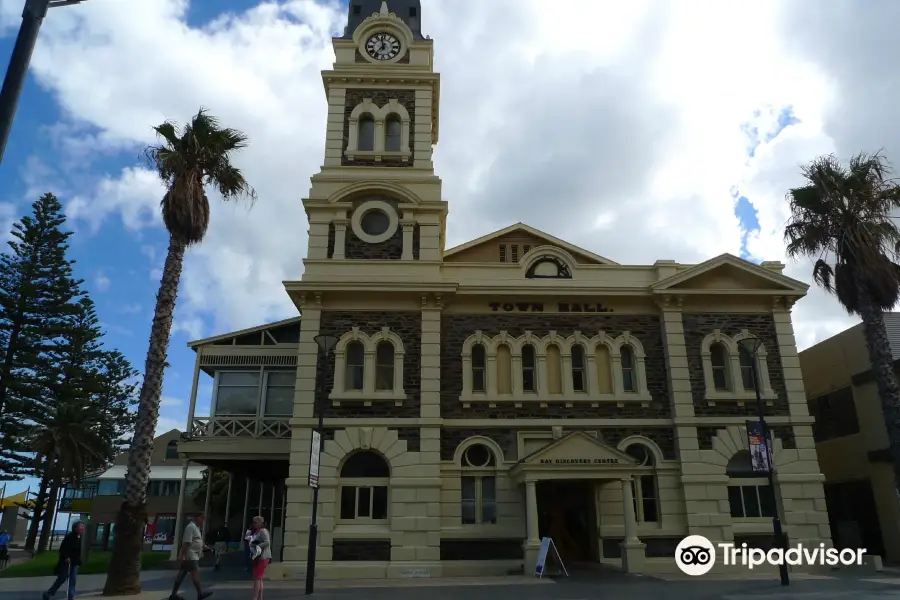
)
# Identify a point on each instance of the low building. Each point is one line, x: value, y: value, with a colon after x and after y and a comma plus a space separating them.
x: 852, y: 441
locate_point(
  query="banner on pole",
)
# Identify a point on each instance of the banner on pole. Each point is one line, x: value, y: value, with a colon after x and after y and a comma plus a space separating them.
x: 761, y: 453
x: 314, y: 452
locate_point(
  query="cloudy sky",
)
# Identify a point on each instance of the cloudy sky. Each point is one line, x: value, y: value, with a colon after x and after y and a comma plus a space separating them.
x: 640, y: 130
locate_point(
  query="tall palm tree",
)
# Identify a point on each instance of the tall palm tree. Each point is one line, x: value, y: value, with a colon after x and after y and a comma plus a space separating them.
x: 188, y: 160
x: 842, y: 218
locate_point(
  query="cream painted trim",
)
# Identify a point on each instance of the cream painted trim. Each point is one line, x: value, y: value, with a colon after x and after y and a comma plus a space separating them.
x: 538, y: 252
x: 658, y: 459
x: 541, y: 344
x: 380, y: 117
x: 484, y: 441
x: 387, y: 22
x: 689, y: 273
x: 362, y: 209
x: 390, y: 188
x: 736, y: 390
x: 555, y: 241
x: 368, y: 394
x: 224, y: 336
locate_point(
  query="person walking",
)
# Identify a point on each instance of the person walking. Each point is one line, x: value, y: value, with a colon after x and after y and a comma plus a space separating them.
x: 4, y: 549
x: 221, y: 537
x: 192, y: 548
x: 261, y: 555
x: 68, y: 562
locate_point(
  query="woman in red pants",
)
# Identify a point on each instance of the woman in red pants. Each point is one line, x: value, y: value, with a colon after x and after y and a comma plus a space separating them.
x: 261, y: 555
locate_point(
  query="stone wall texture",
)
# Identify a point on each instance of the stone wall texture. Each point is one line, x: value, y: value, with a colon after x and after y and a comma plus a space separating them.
x: 361, y: 550
x: 698, y: 325
x: 481, y: 549
x: 355, y: 97
x: 408, y: 325
x: 389, y: 249
x: 646, y: 328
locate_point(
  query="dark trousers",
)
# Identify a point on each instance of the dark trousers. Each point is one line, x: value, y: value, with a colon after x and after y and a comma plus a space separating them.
x: 66, y: 573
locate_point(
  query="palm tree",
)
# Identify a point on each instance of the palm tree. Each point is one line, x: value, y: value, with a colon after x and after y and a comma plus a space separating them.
x: 842, y: 218
x: 187, y: 160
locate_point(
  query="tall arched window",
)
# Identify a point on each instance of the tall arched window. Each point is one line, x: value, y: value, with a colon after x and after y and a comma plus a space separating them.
x: 393, y: 130
x: 579, y: 380
x: 172, y: 449
x: 479, y: 360
x: 366, y: 140
x: 554, y: 369
x: 746, y: 362
x: 718, y: 356
x: 626, y: 353
x: 749, y: 493
x: 644, y: 488
x: 364, y: 487
x: 355, y: 366
x: 384, y: 366
x: 478, y: 485
x: 529, y: 369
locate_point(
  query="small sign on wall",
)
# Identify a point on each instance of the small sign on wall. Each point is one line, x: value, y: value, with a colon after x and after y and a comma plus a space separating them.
x: 315, y: 452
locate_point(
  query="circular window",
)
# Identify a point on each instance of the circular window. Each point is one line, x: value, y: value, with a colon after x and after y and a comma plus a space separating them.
x: 375, y: 222
x: 478, y: 455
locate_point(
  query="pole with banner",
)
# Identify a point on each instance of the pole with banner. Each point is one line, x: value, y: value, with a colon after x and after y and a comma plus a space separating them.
x: 315, y: 452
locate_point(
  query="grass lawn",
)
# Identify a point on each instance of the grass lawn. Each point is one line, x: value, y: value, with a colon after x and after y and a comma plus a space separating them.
x: 43, y: 564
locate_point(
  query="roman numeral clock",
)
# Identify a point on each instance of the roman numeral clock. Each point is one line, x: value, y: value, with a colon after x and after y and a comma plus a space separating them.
x: 383, y: 46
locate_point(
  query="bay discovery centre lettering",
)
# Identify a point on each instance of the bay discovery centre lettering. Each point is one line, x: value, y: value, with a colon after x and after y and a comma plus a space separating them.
x: 579, y: 461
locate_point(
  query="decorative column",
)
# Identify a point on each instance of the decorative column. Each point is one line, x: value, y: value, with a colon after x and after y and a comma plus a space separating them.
x: 209, y: 486
x: 179, y: 514
x: 246, y: 506
x: 228, y: 498
x: 633, y: 554
x: 189, y: 428
x: 532, y: 540
x: 409, y: 227
x: 340, y: 239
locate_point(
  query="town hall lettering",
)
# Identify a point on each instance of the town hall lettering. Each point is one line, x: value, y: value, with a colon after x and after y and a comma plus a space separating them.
x: 579, y: 461
x: 563, y: 307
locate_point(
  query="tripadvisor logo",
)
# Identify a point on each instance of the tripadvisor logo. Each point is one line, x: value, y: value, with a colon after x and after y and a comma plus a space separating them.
x: 696, y: 555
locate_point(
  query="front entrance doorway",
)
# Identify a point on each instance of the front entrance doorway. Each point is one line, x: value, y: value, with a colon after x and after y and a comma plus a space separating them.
x: 567, y: 514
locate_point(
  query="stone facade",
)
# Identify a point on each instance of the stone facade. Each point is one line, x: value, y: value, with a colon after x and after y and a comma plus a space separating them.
x: 390, y: 249
x: 646, y: 328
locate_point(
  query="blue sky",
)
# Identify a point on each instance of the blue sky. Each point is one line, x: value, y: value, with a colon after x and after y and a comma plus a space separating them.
x: 121, y: 265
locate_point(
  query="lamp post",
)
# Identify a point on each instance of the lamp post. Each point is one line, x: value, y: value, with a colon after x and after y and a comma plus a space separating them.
x: 751, y: 346
x: 326, y: 344
x: 32, y: 17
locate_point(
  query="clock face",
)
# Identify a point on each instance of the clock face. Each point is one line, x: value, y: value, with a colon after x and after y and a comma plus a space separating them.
x: 383, y: 46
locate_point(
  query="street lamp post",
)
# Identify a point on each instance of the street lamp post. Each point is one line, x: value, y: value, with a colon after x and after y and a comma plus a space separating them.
x: 32, y: 17
x: 326, y: 344
x: 751, y: 346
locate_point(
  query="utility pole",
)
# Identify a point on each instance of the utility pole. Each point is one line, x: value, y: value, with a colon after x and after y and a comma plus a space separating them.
x: 32, y: 17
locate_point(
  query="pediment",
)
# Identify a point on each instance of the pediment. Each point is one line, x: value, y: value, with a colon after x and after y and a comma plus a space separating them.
x: 577, y: 450
x: 732, y: 274
x: 487, y: 247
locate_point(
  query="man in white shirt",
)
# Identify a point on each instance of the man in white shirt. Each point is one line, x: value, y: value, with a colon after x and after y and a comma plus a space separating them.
x: 192, y: 548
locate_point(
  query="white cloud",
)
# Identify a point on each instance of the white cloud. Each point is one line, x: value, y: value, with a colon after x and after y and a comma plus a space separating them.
x: 166, y: 424
x: 101, y: 281
x: 619, y: 126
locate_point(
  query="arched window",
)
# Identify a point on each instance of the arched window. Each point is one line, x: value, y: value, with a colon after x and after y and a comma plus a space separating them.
x: 364, y: 487
x: 578, y: 363
x: 366, y: 140
x: 478, y: 485
x: 479, y: 359
x: 384, y: 366
x: 172, y: 449
x: 529, y: 369
x: 749, y: 494
x: 355, y: 366
x: 554, y: 369
x: 746, y: 362
x: 393, y: 129
x: 718, y: 356
x: 643, y: 486
x: 504, y: 369
x: 626, y: 353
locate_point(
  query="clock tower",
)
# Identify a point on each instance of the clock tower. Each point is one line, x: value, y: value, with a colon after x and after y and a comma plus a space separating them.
x: 376, y: 197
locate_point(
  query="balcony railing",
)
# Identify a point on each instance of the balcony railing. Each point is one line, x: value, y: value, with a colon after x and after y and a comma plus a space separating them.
x: 240, y: 427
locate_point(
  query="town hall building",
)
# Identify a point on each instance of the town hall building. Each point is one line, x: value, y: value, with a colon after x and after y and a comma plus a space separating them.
x: 514, y: 387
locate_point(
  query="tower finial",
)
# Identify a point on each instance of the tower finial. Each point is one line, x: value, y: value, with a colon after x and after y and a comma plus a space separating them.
x: 384, y: 8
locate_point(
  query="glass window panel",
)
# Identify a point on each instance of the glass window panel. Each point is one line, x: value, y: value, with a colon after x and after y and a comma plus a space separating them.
x: 528, y: 356
x: 650, y: 510
x: 488, y: 488
x: 627, y: 356
x: 384, y: 377
x: 366, y: 133
x: 109, y: 487
x: 577, y: 356
x: 379, y: 502
x: 469, y: 512
x: 279, y: 401
x: 392, y: 139
x: 236, y: 400
x: 365, y: 464
x: 735, y: 502
x: 628, y: 380
x: 364, y: 502
x: 718, y: 355
x: 348, y: 502
x: 282, y: 378
x: 720, y: 378
x: 478, y: 356
x: 766, y: 501
x: 528, y: 384
x: 238, y: 378
x: 751, y: 501
x: 578, y: 381
x: 468, y: 488
x: 478, y: 380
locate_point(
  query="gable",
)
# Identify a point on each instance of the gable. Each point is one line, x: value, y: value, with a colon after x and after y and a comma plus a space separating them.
x: 509, y: 245
x: 729, y: 273
x: 577, y: 449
